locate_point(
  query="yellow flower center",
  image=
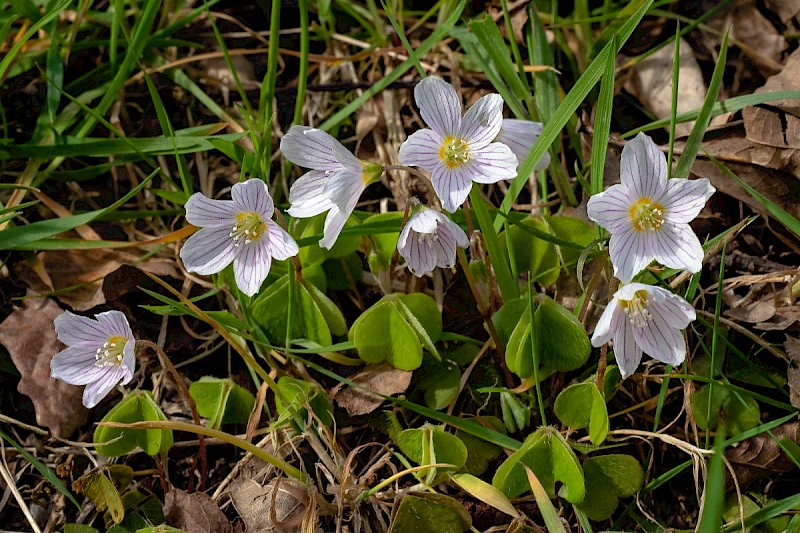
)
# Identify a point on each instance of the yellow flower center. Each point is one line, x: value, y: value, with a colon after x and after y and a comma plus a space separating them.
x: 636, y: 309
x: 646, y: 215
x: 249, y: 227
x: 112, y: 352
x: 454, y: 152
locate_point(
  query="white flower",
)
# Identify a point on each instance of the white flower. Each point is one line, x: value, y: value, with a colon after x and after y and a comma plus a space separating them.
x: 644, y: 318
x: 241, y: 231
x: 519, y: 135
x: 428, y: 240
x: 336, y: 182
x: 457, y: 151
x: 99, y: 353
x: 647, y: 215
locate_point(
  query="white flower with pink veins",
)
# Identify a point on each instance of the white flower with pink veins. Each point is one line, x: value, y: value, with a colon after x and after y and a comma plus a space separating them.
x: 429, y: 239
x: 458, y: 150
x: 648, y: 215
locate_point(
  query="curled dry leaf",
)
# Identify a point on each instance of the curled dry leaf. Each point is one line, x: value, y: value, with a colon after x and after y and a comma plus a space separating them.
x: 86, y: 270
x: 651, y: 82
x: 194, y: 513
x: 761, y: 455
x: 277, y: 507
x: 785, y: 9
x: 29, y: 336
x: 761, y: 41
x: 383, y: 379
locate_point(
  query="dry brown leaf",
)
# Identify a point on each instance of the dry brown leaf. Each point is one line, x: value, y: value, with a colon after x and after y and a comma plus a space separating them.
x: 651, y: 82
x: 383, y: 379
x: 786, y: 80
x: 277, y: 507
x: 784, y: 317
x: 754, y: 312
x: 758, y: 165
x: 761, y: 455
x: 786, y: 9
x: 194, y: 513
x: 793, y: 379
x: 756, y: 35
x: 792, y: 347
x: 86, y: 270
x: 30, y: 337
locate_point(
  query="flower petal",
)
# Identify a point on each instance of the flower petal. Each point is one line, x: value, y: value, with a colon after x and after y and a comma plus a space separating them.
x: 608, y: 324
x: 306, y: 196
x: 97, y: 390
x: 404, y: 235
x: 421, y: 149
x: 455, y: 231
x: 346, y: 158
x: 205, y: 212
x: 627, y: 353
x: 253, y: 195
x: 425, y: 221
x: 439, y: 105
x: 344, y: 188
x: 334, y: 223
x: 117, y: 323
x: 492, y: 163
x: 685, y: 198
x: 611, y: 208
x: 643, y: 168
x: 310, y: 148
x: 281, y: 244
x: 629, y: 253
x: 445, y: 248
x: 452, y: 186
x: 482, y: 121
x: 76, y: 330
x: 420, y: 258
x: 208, y: 251
x: 251, y: 266
x: 520, y: 136
x: 676, y: 312
x: 76, y: 365
x: 676, y: 246
x: 660, y: 341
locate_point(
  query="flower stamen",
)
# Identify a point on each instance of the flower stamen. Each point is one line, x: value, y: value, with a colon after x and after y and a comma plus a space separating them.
x: 454, y: 152
x: 428, y: 239
x: 636, y: 309
x: 249, y: 226
x: 646, y: 215
x: 111, y: 353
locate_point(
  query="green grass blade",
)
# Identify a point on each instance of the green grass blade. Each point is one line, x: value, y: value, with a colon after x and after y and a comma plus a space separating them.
x: 11, y: 55
x: 509, y: 288
x: 714, y: 494
x: 48, y: 474
x: 704, y: 117
x: 438, y: 34
x: 494, y: 47
x: 602, y: 124
x: 303, y: 69
x: 168, y: 131
x: 13, y: 237
x: 726, y: 106
x: 139, y: 38
x: 267, y: 97
x: 545, y: 82
x: 568, y: 106
x: 676, y: 73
